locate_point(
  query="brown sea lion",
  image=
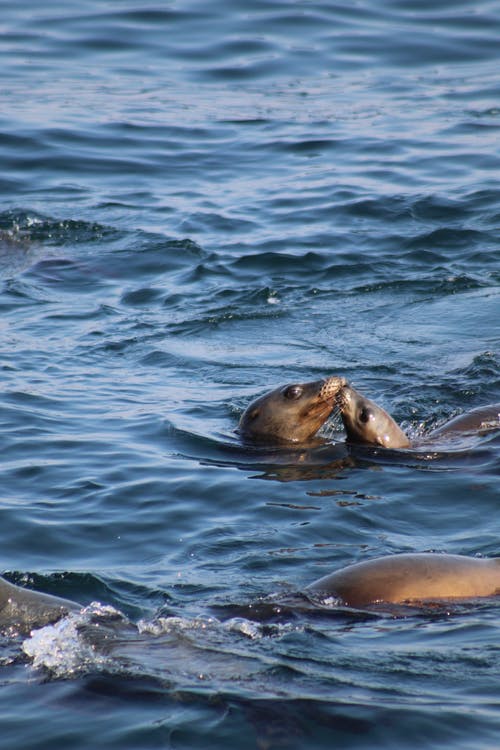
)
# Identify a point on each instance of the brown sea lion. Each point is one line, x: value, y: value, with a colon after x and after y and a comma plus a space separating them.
x: 482, y: 419
x: 365, y: 422
x: 407, y: 578
x: 292, y: 413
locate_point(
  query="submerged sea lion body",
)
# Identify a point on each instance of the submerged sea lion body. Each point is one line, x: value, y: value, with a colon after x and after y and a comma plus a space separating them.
x: 406, y: 578
x: 366, y: 423
x: 292, y: 413
x: 25, y: 609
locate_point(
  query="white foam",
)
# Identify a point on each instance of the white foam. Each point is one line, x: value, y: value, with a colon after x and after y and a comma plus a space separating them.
x: 241, y: 625
x: 74, y: 645
x: 60, y: 647
x: 246, y: 627
x: 162, y: 625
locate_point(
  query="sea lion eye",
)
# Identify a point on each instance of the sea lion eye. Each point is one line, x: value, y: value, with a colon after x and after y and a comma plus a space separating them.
x: 364, y: 415
x: 293, y: 392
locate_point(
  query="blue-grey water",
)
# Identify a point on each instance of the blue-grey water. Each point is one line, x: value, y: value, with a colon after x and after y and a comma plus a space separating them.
x: 201, y: 201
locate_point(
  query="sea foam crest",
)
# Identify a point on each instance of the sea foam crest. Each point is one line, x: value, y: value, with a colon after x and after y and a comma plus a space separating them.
x: 241, y: 625
x: 60, y: 648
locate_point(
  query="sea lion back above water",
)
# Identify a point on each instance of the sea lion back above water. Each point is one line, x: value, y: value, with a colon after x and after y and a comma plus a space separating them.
x: 411, y: 577
x: 292, y: 413
x: 481, y: 420
x: 24, y: 609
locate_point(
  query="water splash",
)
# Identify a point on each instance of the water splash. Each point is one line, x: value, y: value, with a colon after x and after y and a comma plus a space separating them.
x: 60, y: 648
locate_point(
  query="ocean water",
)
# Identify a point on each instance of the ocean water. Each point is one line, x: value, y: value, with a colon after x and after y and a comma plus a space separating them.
x: 199, y: 202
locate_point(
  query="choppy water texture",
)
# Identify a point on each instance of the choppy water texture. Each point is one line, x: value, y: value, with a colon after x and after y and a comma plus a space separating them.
x: 201, y: 201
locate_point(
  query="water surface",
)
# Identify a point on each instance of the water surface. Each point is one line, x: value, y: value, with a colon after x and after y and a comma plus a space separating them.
x: 201, y: 202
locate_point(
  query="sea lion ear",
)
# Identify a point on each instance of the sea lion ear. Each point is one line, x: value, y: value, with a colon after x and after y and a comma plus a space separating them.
x: 253, y: 414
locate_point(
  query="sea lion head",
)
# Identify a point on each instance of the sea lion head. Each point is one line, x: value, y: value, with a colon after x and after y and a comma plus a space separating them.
x: 367, y: 423
x: 292, y: 413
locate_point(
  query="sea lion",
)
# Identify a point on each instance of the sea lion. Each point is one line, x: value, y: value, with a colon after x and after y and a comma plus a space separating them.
x: 482, y: 419
x: 24, y: 609
x: 292, y: 413
x: 407, y: 578
x: 367, y: 423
